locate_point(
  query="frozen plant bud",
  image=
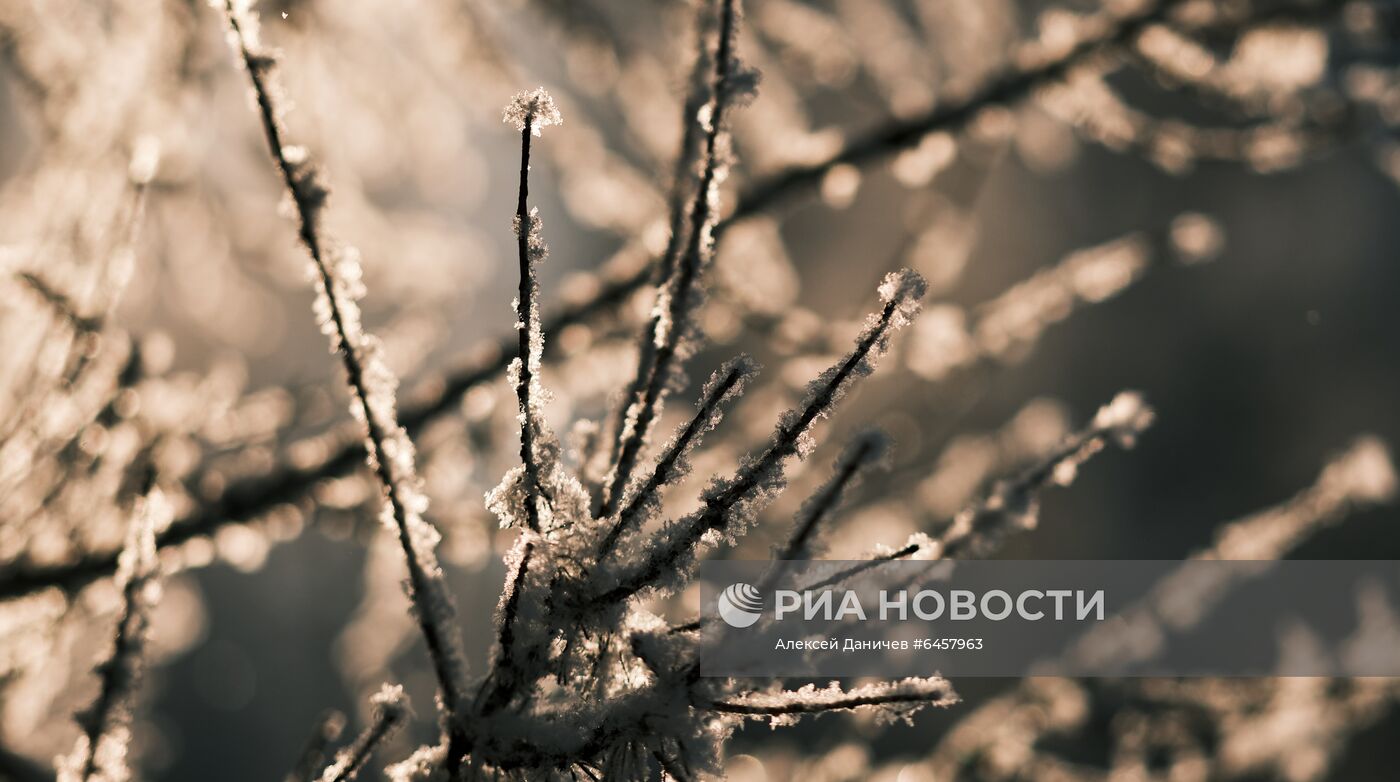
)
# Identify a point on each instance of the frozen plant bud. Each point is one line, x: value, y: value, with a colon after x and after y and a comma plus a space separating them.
x: 534, y: 108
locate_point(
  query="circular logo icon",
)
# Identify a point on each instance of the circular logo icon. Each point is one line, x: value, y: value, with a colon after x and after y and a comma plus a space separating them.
x: 740, y: 605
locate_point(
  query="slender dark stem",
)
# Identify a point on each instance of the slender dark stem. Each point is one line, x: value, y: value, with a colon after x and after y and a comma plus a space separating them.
x: 630, y: 515
x: 498, y: 688
x: 666, y: 334
x: 527, y: 309
x: 825, y: 502
x: 687, y: 160
x: 307, y: 197
x: 715, y: 511
x: 907, y: 550
x: 353, y: 758
x: 816, y: 707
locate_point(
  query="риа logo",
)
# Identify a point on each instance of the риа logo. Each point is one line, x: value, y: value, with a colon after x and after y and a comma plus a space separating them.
x: 740, y: 605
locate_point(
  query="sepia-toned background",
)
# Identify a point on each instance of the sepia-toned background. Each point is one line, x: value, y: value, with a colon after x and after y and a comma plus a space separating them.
x: 1229, y: 226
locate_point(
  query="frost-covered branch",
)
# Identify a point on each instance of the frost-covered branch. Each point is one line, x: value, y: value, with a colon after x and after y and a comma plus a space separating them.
x: 725, y: 384
x: 100, y: 754
x: 1012, y: 724
x: 390, y: 710
x: 245, y: 499
x: 952, y: 114
x: 1360, y: 477
x: 1004, y: 89
x: 866, y: 450
x: 313, y: 754
x: 668, y: 338
x: 372, y: 385
x: 689, y: 159
x: 529, y: 112
x: 728, y: 504
x: 1013, y: 504
x: 540, y: 495
x: 894, y: 700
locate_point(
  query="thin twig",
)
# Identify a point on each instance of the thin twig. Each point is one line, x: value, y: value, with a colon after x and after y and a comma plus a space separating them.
x: 313, y: 754
x: 688, y: 159
x: 901, y: 293
x: 392, y: 465
x: 390, y: 710
x: 727, y: 383
x: 664, y: 337
x: 934, y: 691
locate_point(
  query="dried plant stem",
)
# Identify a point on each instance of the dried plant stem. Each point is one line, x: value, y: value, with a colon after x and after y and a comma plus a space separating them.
x: 530, y: 111
x: 392, y: 465
x: 390, y: 710
x: 866, y: 449
x: 663, y: 339
x: 727, y: 383
x: 688, y: 159
x: 528, y: 313
x: 1007, y: 88
x: 1009, y: 506
x: 720, y: 502
x: 933, y: 691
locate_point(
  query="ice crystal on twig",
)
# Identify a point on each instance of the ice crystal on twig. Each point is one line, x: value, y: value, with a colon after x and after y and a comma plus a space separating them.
x: 533, y: 109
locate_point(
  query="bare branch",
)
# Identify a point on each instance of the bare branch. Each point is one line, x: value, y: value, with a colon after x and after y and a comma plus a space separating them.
x: 390, y: 710
x: 665, y: 349
x: 389, y: 451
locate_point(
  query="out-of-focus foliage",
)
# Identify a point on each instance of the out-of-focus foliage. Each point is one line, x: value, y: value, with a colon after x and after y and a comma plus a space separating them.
x: 721, y: 180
